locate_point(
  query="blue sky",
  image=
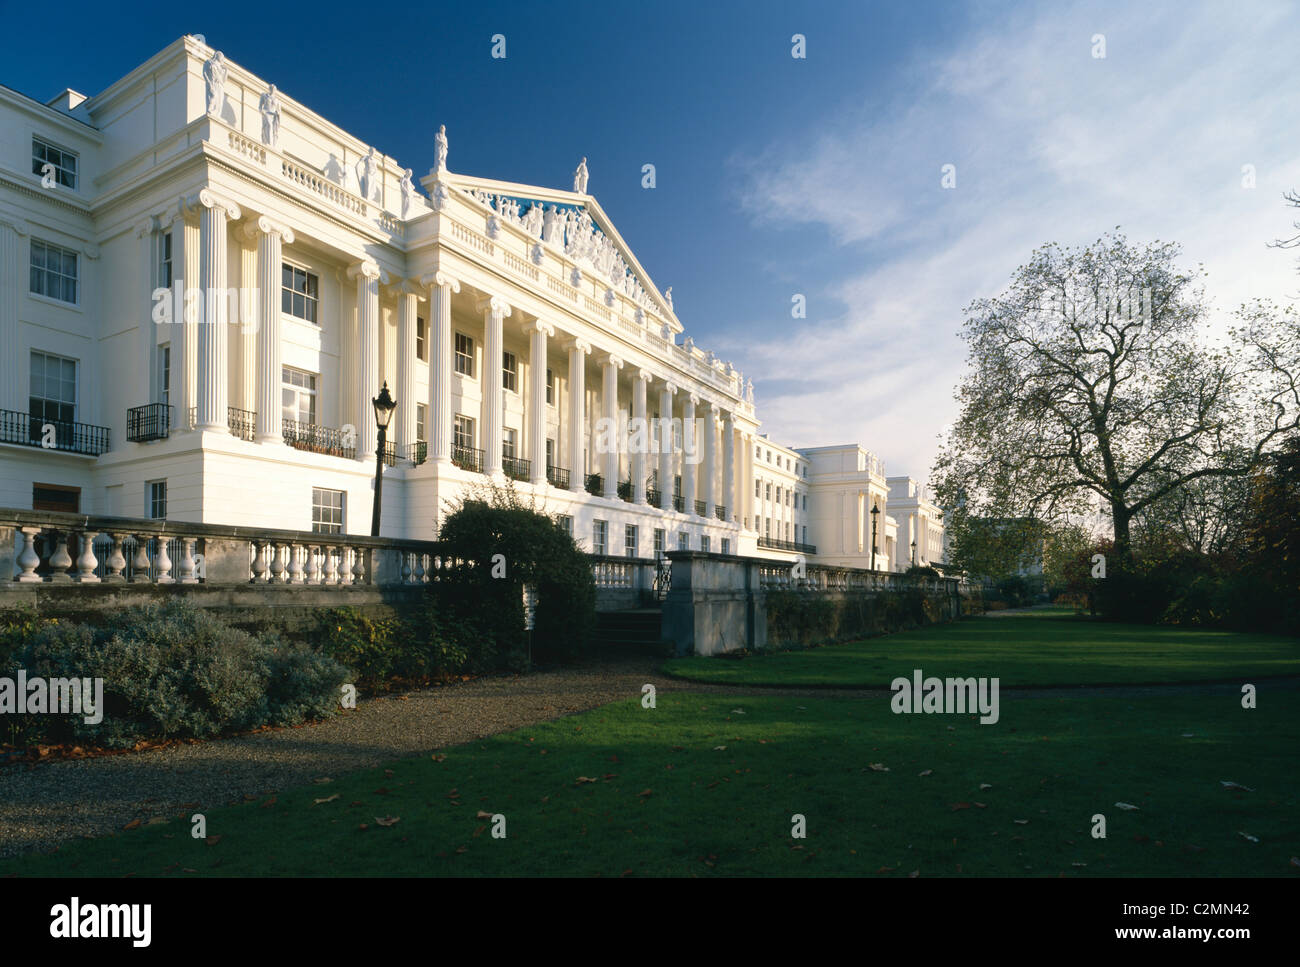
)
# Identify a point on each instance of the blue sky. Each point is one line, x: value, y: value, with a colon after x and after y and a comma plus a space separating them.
x: 819, y: 176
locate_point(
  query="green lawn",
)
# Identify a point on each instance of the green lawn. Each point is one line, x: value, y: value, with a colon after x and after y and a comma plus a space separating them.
x: 1030, y: 648
x: 666, y: 800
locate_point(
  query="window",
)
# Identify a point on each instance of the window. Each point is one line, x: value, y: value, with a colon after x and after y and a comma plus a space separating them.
x: 157, y: 494
x: 64, y: 163
x: 768, y: 490
x: 165, y: 261
x: 464, y: 355
x: 462, y: 432
x: 421, y: 339
x: 629, y: 540
x: 509, y: 443
x: 805, y: 534
x: 550, y: 387
x: 769, y: 456
x: 509, y: 372
x: 421, y: 421
x: 326, y: 511
x: 767, y: 527
x: 165, y: 373
x: 758, y: 453
x: 298, y: 395
x: 704, y: 543
x: 683, y: 541
x: 566, y: 523
x: 54, y: 272
x: 550, y: 454
x: 56, y: 497
x: 599, y: 537
x: 787, y: 530
x: 659, y: 541
x: 758, y: 488
x: 726, y: 545
x: 53, y: 396
x: 778, y: 493
x: 299, y: 292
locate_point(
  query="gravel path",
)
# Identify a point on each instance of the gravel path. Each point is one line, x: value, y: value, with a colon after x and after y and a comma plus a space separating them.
x: 47, y: 803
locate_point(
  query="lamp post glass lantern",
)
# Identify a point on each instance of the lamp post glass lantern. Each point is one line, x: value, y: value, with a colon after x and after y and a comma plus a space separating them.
x: 384, y: 406
x: 913, y: 553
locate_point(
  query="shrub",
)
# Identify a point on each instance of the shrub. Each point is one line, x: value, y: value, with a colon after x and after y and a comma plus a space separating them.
x: 176, y: 671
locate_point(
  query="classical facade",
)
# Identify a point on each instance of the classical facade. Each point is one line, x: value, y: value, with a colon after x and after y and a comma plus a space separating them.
x: 204, y: 285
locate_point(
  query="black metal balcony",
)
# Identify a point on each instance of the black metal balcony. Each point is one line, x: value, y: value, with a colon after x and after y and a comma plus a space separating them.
x: 594, y: 484
x: 679, y: 503
x: 776, y: 545
x: 467, y: 458
x: 720, y: 511
x: 653, y: 496
x: 700, y: 508
x: 625, y: 490
x: 319, y: 439
x: 558, y: 476
x: 390, y: 453
x: 516, y: 468
x: 30, y: 431
x: 153, y: 421
x: 417, y: 452
x: 242, y: 423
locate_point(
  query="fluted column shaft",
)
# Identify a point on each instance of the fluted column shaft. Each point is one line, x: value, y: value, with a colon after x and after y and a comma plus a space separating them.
x: 537, y: 332
x: 270, y: 408
x: 690, y: 452
x: 441, y: 287
x: 609, y: 403
x: 494, y: 312
x: 368, y: 277
x: 729, y: 466
x: 639, y: 435
x: 213, y: 362
x: 666, y: 446
x: 578, y: 351
x: 407, y: 306
x: 709, y: 482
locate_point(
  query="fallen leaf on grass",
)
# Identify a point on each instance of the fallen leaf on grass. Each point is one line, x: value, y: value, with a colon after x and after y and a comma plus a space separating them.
x: 326, y: 799
x: 270, y: 802
x: 1253, y: 839
x: 914, y: 874
x: 482, y: 815
x: 646, y: 792
x: 213, y: 840
x: 582, y: 779
x: 1021, y: 822
x: 438, y: 758
x: 986, y: 785
x: 1226, y: 784
x: 132, y: 824
x: 927, y: 772
x: 878, y: 767
x: 1295, y: 861
x: 737, y: 711
x: 388, y: 820
x: 980, y: 805
x: 322, y: 780
x: 719, y: 748
x: 1125, y: 805
x: 461, y: 849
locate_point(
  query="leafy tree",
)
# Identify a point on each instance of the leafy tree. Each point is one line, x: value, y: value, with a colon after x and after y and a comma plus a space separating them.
x: 1092, y: 385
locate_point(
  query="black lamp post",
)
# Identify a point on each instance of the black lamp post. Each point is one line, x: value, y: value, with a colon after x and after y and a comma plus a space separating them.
x: 913, y: 553
x: 875, y: 514
x: 384, y: 406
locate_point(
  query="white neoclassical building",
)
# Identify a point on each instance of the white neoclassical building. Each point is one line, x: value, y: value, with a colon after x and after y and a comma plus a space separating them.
x: 204, y: 284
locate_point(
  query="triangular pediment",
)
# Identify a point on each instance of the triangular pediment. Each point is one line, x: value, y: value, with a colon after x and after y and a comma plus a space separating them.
x: 572, y: 223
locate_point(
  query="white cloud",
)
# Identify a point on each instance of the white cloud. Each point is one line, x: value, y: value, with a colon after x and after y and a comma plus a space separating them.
x: 1050, y: 145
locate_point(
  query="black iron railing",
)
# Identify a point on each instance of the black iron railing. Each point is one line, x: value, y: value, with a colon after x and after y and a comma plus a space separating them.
x: 700, y: 508
x: 679, y: 503
x: 594, y: 484
x: 467, y: 458
x: 390, y: 453
x: 319, y: 439
x: 516, y: 468
x: 242, y: 423
x: 776, y: 545
x: 417, y: 452
x: 653, y: 496
x: 558, y: 476
x: 153, y: 421
x: 31, y: 431
x: 625, y: 490
x: 720, y: 511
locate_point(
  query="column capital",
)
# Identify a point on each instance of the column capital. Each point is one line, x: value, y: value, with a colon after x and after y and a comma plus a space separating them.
x: 613, y: 359
x: 693, y: 399
x: 432, y: 279
x: 146, y: 226
x: 12, y: 224
x: 368, y: 268
x: 581, y: 345
x: 263, y: 225
x: 207, y: 198
x: 669, y: 387
x: 495, y: 305
x: 401, y: 287
x: 537, y: 325
x: 644, y: 376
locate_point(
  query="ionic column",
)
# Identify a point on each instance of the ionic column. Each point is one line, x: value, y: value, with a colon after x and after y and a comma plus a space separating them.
x: 13, y: 284
x: 666, y: 445
x: 270, y: 410
x: 408, y: 298
x: 690, y: 452
x: 368, y: 275
x: 495, y: 310
x: 609, y: 403
x: 146, y: 236
x: 729, y: 466
x: 709, y: 481
x: 213, y: 364
x: 250, y: 297
x: 184, y: 343
x: 441, y: 286
x: 578, y: 352
x: 537, y: 332
x: 641, y: 432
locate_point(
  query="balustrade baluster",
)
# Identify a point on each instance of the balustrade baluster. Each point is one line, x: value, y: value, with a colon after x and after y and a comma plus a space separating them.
x: 358, y: 566
x: 419, y: 568
x: 116, y: 561
x: 189, y: 573
x: 28, y: 559
x: 331, y: 574
x: 277, y: 564
x: 163, y: 562
x: 311, y: 572
x: 295, y: 564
